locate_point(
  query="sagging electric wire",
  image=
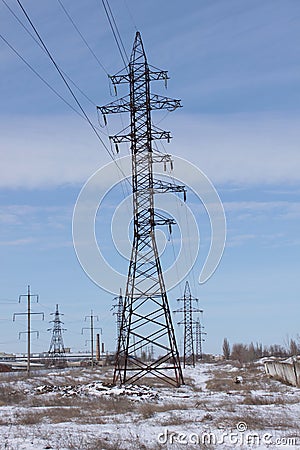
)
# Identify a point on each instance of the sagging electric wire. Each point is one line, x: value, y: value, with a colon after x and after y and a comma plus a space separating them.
x: 39, y: 76
x: 12, y: 48
x: 187, y: 252
x: 38, y: 43
x: 115, y: 32
x: 82, y: 37
x: 70, y: 89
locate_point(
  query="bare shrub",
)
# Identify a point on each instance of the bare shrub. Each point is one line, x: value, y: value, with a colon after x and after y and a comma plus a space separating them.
x: 10, y: 396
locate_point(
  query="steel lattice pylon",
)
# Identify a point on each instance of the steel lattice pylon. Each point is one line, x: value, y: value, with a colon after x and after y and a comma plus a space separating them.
x: 188, y: 322
x: 119, y: 306
x: 146, y: 319
x: 199, y: 338
x: 56, y: 353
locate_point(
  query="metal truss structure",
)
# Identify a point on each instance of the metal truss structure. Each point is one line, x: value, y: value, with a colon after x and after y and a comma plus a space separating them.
x: 199, y: 333
x: 118, y: 305
x: 146, y: 320
x: 188, y: 323
x: 56, y: 353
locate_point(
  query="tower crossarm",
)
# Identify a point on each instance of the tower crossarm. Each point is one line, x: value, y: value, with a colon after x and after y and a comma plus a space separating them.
x: 119, y: 106
x: 153, y: 76
x: 161, y: 187
x: 159, y: 219
x: 162, y: 158
x: 161, y: 102
x: 156, y: 134
x: 124, y: 105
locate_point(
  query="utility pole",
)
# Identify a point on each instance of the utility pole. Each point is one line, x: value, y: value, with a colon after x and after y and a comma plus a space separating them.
x: 199, y: 333
x: 56, y: 353
x: 146, y: 318
x: 188, y: 322
x: 98, y: 350
x: 29, y: 313
x: 91, y: 317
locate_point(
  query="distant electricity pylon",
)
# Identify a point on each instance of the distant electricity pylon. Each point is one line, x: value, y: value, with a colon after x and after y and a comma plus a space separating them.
x: 188, y: 323
x: 91, y: 317
x: 146, y: 318
x: 199, y: 333
x: 57, y: 353
x: 29, y: 313
x: 118, y: 305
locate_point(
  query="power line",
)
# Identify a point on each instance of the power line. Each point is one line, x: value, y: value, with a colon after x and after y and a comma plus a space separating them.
x: 37, y: 42
x: 82, y: 37
x: 69, y: 88
x: 63, y: 77
x: 115, y: 32
x: 40, y: 77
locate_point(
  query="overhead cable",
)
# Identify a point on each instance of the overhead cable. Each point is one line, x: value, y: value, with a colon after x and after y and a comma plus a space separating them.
x: 115, y: 31
x: 69, y: 88
x: 38, y: 43
x: 39, y: 76
x: 82, y: 37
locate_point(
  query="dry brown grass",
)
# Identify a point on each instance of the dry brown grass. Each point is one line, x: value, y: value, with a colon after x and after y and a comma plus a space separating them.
x: 261, y: 400
x: 223, y: 380
x: 9, y: 395
x: 147, y: 410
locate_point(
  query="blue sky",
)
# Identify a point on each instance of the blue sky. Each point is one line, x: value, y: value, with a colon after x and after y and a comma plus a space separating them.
x: 235, y: 65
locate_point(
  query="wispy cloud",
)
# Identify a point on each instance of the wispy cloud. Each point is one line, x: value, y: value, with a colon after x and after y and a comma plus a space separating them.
x: 237, y: 149
x: 241, y: 148
x: 18, y: 242
x: 47, y: 152
x: 287, y: 210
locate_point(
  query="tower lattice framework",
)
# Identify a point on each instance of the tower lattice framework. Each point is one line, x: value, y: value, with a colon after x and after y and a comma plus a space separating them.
x: 199, y: 333
x: 119, y: 306
x: 146, y: 319
x: 56, y: 353
x: 188, y: 323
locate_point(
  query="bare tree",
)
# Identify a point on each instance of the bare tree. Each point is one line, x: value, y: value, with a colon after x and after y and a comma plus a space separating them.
x: 240, y: 353
x: 226, y: 349
x: 294, y: 349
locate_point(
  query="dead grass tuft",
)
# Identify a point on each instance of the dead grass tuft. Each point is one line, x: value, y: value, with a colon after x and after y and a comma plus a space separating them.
x: 10, y: 396
x: 269, y: 399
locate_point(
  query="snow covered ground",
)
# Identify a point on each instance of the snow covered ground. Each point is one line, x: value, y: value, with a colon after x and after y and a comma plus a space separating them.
x: 77, y: 409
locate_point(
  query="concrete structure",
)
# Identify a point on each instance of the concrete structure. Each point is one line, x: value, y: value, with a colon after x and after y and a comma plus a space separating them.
x: 287, y: 371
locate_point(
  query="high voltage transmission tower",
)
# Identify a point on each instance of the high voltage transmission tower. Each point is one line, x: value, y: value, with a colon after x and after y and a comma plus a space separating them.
x: 188, y: 323
x: 146, y: 318
x: 199, y: 333
x: 119, y: 306
x: 56, y: 353
x: 29, y: 313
